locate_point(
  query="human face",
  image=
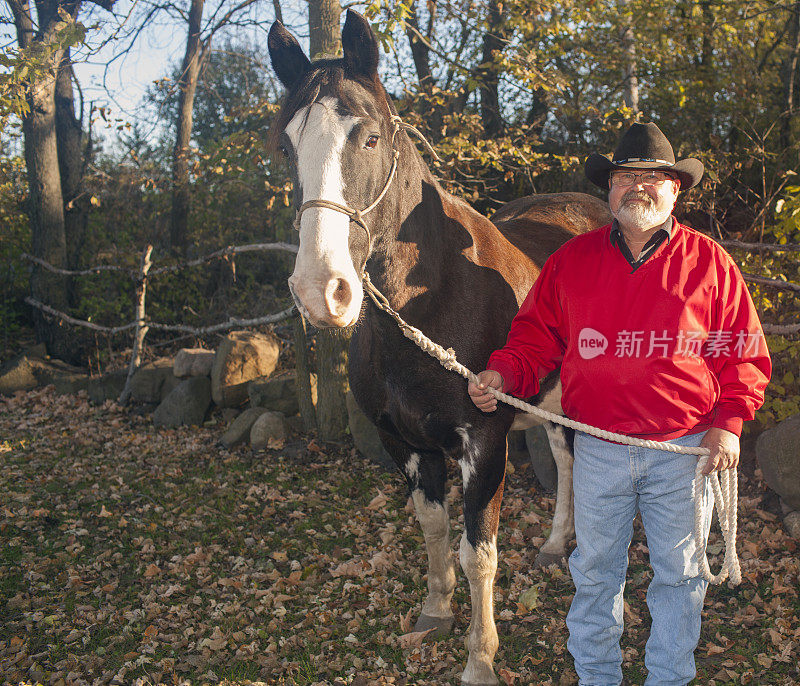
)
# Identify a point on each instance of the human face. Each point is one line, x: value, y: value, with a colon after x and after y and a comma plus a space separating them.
x: 640, y: 206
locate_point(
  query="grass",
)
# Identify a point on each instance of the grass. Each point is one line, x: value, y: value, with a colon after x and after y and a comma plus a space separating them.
x: 134, y: 554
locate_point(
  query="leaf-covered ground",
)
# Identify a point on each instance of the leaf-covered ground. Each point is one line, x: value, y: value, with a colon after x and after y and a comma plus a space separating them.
x: 134, y: 555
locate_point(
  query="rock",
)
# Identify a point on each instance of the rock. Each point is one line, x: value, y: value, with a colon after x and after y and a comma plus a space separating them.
x: 147, y: 384
x: 17, y: 375
x: 295, y: 424
x: 791, y: 522
x: 170, y: 383
x: 230, y: 413
x: 186, y: 404
x: 269, y: 427
x: 239, y: 430
x: 37, y: 352
x: 517, y: 450
x: 193, y: 362
x: 778, y: 453
x: 544, y: 466
x: 365, y: 435
x: 107, y: 387
x: 278, y: 394
x: 66, y: 379
x: 241, y: 357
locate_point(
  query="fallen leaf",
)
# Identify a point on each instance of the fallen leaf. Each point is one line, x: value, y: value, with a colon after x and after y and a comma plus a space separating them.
x: 508, y: 676
x: 530, y: 599
x: 413, y: 639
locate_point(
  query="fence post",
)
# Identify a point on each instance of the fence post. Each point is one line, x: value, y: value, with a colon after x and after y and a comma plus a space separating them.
x: 141, y: 327
x: 303, y: 375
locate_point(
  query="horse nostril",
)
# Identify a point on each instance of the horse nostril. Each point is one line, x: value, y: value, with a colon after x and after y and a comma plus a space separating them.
x: 338, y: 295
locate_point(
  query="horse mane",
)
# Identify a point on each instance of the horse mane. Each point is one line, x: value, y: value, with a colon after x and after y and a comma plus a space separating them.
x: 323, y: 73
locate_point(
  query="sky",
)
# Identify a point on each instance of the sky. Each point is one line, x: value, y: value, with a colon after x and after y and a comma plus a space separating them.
x: 117, y: 79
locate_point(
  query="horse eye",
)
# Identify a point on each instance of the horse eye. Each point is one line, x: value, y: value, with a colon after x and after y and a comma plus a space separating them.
x: 372, y: 141
x: 284, y: 151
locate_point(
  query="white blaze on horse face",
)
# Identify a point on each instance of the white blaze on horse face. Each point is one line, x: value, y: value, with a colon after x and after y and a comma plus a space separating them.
x: 324, y: 279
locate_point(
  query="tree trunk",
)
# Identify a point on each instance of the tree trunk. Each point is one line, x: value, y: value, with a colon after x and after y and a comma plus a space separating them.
x: 326, y: 39
x: 325, y: 36
x: 302, y: 373
x: 537, y: 114
x: 630, y: 91
x: 789, y: 76
x: 332, y: 383
x: 71, y: 163
x: 707, y: 63
x: 493, y: 42
x: 45, y: 203
x: 46, y: 213
x: 419, y: 51
x: 190, y: 71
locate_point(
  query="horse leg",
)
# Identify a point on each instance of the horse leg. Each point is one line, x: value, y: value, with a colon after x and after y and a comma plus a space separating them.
x: 483, y: 465
x: 554, y: 550
x: 426, y: 473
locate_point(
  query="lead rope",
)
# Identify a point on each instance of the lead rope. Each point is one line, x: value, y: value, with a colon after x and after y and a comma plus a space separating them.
x: 725, y: 496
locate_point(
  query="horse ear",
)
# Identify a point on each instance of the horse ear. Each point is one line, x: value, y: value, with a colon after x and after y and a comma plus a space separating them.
x: 360, y: 45
x: 288, y: 59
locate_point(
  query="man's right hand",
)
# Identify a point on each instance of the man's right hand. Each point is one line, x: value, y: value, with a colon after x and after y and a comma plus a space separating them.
x: 484, y: 400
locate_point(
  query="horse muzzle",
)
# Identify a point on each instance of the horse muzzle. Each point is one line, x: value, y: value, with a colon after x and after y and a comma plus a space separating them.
x: 333, y: 302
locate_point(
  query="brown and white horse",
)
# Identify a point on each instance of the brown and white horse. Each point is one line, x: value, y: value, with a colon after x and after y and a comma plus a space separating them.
x: 448, y: 271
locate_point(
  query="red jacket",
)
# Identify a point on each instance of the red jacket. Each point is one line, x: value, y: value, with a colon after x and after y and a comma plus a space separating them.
x: 673, y: 348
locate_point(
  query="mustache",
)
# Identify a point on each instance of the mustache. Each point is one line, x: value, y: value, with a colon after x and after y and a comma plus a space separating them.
x: 637, y: 195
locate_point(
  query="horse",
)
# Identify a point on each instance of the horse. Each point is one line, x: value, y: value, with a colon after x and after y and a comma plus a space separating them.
x: 369, y: 211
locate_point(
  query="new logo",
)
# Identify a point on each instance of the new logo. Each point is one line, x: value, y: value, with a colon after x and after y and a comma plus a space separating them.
x: 591, y: 343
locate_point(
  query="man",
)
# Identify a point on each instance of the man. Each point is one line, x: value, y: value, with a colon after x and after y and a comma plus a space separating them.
x: 658, y: 338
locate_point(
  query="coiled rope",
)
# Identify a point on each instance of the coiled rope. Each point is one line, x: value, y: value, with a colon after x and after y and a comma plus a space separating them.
x: 725, y: 495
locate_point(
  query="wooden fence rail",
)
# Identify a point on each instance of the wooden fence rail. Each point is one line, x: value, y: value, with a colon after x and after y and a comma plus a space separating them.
x: 140, y: 325
x: 144, y: 273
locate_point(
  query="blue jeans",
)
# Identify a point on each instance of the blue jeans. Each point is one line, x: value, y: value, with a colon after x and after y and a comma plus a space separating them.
x: 611, y: 482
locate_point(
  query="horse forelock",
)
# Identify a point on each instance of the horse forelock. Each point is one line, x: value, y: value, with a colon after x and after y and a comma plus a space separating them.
x: 328, y: 78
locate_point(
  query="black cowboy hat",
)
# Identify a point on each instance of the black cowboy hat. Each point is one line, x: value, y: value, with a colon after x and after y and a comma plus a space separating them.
x: 643, y: 146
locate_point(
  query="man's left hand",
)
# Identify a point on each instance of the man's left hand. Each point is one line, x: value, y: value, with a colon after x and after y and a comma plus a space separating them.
x: 724, y: 447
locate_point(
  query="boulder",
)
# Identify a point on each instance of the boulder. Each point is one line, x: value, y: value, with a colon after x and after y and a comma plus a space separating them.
x: 37, y: 352
x: 517, y: 450
x: 278, y: 394
x: 193, y: 362
x: 241, y: 357
x: 365, y: 435
x: 147, y: 384
x: 107, y: 387
x: 17, y: 375
x: 186, y: 404
x: 542, y: 461
x: 66, y: 379
x: 791, y: 523
x: 778, y: 453
x: 239, y: 430
x: 268, y: 428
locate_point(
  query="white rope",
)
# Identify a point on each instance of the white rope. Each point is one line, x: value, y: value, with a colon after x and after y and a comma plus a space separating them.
x: 725, y: 496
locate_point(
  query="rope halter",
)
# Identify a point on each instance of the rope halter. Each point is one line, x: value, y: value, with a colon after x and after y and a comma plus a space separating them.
x: 357, y: 216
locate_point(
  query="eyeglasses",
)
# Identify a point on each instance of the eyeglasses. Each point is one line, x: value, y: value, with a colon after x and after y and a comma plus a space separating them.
x: 648, y: 178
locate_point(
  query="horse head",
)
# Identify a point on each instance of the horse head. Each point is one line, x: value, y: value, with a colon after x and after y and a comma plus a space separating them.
x: 337, y: 133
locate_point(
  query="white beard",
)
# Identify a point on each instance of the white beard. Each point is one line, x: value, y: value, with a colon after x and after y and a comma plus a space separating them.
x: 642, y: 216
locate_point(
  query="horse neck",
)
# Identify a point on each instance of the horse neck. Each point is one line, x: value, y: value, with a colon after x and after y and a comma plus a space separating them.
x: 411, y: 249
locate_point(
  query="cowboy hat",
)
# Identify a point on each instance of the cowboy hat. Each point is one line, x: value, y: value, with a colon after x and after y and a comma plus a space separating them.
x: 643, y: 146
